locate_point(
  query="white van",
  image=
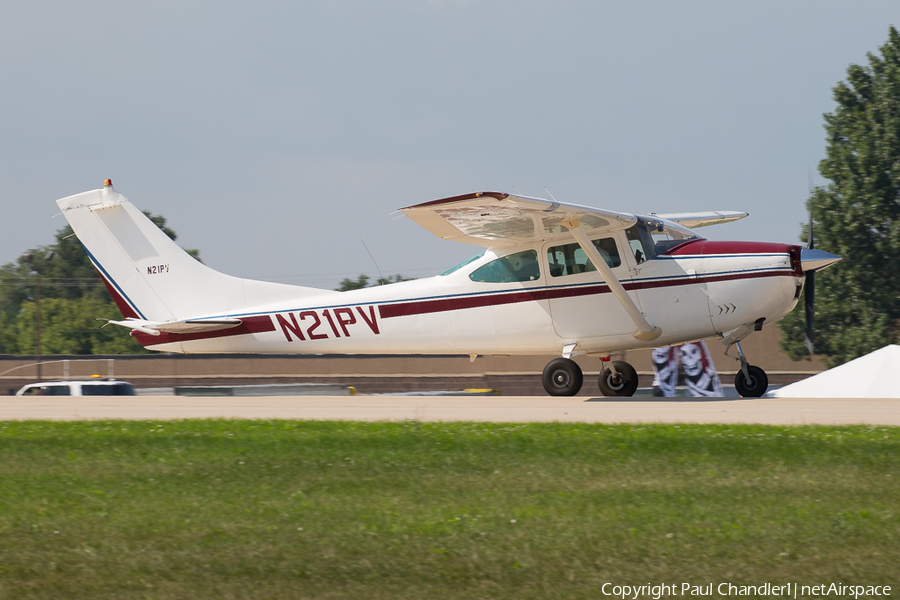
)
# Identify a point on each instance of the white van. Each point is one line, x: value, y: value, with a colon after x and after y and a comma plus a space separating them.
x: 86, y: 387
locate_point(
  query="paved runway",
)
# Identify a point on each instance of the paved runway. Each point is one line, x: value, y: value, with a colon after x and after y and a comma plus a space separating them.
x: 771, y: 411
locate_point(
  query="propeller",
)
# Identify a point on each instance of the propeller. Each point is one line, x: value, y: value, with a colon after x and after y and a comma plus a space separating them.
x: 812, y: 260
x: 810, y: 287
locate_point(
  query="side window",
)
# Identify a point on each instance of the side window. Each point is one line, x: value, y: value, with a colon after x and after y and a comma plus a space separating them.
x: 521, y: 266
x: 571, y: 259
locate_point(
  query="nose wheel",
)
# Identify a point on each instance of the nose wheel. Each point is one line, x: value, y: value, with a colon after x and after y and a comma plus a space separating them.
x: 750, y: 381
x: 752, y: 385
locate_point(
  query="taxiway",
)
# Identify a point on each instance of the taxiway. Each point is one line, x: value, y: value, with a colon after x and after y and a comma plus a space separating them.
x: 769, y: 411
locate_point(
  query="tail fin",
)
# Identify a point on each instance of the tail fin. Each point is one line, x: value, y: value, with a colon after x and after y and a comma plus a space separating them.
x: 149, y: 276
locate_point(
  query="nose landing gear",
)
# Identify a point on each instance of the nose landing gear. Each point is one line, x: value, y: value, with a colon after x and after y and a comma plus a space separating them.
x: 750, y: 381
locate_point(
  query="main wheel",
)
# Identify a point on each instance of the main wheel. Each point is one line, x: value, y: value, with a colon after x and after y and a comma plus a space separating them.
x: 562, y: 377
x: 754, y: 387
x: 622, y: 382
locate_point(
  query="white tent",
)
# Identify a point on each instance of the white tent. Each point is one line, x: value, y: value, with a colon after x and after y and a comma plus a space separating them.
x: 875, y: 375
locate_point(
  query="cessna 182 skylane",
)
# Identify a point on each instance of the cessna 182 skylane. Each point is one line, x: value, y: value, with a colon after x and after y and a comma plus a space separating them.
x: 554, y: 279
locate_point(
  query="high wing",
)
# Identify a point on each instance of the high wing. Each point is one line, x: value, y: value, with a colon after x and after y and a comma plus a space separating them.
x: 702, y: 219
x: 498, y: 219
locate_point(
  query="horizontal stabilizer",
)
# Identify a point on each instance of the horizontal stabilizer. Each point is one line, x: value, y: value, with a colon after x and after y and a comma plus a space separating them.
x: 155, y: 328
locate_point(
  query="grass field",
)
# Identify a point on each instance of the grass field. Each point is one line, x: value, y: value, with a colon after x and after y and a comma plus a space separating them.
x: 291, y: 509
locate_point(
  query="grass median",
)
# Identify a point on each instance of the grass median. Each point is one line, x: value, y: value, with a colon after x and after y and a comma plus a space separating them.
x: 305, y: 509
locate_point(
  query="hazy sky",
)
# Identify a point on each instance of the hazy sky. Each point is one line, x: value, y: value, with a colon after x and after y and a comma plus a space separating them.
x: 274, y: 136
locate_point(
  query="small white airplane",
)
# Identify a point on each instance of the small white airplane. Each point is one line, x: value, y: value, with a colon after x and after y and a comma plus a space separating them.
x: 554, y: 279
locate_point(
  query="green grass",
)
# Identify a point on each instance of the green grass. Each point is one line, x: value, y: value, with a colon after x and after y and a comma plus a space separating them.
x: 290, y: 509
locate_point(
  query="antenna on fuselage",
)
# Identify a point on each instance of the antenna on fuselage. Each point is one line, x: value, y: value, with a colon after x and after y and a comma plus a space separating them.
x: 380, y: 275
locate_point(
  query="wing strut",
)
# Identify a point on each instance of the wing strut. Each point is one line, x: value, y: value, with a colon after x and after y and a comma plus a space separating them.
x: 646, y: 332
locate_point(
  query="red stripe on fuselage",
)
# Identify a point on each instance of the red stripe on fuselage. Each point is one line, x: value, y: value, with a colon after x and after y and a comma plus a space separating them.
x: 706, y: 247
x: 419, y: 307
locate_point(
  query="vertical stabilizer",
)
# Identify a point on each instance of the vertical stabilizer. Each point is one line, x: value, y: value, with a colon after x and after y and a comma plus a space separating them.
x: 148, y: 274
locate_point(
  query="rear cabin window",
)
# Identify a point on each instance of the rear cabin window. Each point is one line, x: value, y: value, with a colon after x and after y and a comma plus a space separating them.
x: 518, y: 267
x: 571, y: 259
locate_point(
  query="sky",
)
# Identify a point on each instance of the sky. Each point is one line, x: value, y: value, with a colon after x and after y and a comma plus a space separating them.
x: 280, y: 138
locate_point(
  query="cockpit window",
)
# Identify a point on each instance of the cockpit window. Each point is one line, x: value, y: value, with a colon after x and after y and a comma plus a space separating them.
x: 521, y: 266
x: 650, y: 237
x: 456, y: 268
x: 570, y: 259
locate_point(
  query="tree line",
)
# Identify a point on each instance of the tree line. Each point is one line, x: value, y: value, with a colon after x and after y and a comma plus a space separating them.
x: 74, y: 302
x: 857, y: 217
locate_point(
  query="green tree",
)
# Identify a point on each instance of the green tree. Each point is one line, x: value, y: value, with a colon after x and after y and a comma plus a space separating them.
x: 362, y: 281
x: 348, y: 284
x: 857, y: 216
x: 73, y: 327
x: 73, y: 297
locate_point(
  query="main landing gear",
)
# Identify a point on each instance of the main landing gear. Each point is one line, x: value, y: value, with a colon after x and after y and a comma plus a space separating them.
x: 750, y: 381
x: 563, y: 377
x: 618, y: 378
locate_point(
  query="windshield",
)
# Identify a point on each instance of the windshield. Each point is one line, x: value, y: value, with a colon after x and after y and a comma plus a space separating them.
x: 664, y: 234
x: 455, y: 268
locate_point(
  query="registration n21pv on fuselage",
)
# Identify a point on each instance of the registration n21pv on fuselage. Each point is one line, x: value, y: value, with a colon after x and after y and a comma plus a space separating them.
x: 552, y: 279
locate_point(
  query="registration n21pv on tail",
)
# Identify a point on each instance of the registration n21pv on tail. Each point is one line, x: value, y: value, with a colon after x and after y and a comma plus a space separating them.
x: 552, y: 279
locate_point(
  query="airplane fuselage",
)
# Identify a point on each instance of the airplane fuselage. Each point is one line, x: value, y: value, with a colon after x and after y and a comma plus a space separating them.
x: 697, y: 290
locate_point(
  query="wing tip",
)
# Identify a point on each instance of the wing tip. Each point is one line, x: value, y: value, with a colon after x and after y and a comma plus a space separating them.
x: 462, y: 198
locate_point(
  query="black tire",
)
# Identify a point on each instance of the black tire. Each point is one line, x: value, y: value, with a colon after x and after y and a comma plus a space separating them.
x: 754, y: 387
x: 562, y: 377
x: 623, y: 382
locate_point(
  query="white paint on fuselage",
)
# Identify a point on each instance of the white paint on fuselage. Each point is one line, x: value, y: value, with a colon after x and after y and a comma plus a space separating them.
x: 681, y: 295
